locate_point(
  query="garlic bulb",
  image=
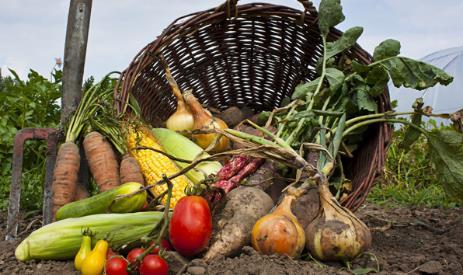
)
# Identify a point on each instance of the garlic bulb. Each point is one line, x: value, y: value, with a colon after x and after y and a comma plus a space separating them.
x: 336, y: 233
x: 279, y: 232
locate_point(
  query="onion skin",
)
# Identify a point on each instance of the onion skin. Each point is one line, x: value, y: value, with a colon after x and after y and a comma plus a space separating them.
x: 279, y: 232
x: 181, y: 120
x: 204, y: 140
x: 336, y: 233
x: 203, y: 120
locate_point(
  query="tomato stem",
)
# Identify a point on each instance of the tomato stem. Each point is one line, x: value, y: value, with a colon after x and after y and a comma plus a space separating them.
x: 165, y: 223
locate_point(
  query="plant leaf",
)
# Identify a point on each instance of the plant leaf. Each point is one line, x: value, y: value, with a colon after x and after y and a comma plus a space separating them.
x: 359, y: 68
x: 411, y: 134
x: 346, y: 41
x: 412, y: 73
x: 387, y: 48
x: 302, y: 90
x: 335, y: 78
x: 337, y: 139
x: 329, y: 15
x: 446, y: 153
x: 377, y: 78
x: 364, y: 100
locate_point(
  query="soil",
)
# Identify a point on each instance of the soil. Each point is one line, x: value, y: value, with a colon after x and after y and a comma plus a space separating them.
x: 405, y: 240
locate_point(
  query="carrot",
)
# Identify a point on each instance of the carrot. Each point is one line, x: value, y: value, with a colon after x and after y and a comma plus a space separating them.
x: 65, y: 175
x: 67, y: 165
x: 130, y: 170
x: 102, y: 161
x: 81, y: 193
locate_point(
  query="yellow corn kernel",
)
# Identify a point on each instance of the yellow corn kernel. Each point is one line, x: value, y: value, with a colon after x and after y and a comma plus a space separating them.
x: 153, y: 164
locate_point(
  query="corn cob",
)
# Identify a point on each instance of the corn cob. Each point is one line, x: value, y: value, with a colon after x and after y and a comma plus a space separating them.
x: 153, y: 164
x: 61, y: 240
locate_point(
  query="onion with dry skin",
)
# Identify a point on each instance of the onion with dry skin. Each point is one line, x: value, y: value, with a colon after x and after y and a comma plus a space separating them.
x: 336, y: 233
x: 279, y: 232
x: 182, y: 119
x: 203, y: 120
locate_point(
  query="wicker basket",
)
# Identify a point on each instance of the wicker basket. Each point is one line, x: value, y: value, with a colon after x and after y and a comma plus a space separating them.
x: 253, y: 55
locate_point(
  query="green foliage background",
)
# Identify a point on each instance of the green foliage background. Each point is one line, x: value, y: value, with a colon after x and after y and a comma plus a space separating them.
x: 409, y: 177
x: 27, y: 103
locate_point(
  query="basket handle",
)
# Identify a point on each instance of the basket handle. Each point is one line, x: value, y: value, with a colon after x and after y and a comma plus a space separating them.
x: 230, y: 5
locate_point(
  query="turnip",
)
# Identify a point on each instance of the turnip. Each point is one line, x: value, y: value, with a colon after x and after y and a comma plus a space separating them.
x: 243, y: 206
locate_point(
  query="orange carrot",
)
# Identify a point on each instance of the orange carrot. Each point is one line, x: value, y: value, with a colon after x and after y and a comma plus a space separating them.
x: 130, y: 170
x: 65, y: 175
x: 81, y: 193
x: 102, y: 161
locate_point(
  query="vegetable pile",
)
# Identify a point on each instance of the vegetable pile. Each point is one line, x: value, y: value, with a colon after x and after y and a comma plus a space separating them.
x: 206, y: 188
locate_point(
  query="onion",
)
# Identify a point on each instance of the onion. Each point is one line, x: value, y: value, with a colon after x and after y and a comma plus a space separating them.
x: 182, y: 119
x: 279, y: 232
x: 203, y: 120
x: 336, y: 233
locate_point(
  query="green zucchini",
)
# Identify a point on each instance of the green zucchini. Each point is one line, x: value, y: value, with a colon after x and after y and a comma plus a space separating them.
x: 105, y: 202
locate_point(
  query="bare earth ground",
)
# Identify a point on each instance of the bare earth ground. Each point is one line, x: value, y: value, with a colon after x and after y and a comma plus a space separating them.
x: 405, y: 240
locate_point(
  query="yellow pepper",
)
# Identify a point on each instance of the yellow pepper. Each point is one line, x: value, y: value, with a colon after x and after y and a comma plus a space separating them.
x: 95, y: 261
x: 85, y: 249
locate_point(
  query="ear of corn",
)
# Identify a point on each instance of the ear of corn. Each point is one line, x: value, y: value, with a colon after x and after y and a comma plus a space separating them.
x: 61, y: 240
x: 154, y: 164
x: 183, y: 148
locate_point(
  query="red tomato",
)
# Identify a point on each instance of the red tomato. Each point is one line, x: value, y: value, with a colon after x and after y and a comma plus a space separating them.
x: 191, y: 225
x: 154, y: 265
x: 134, y: 253
x: 110, y: 253
x: 164, y: 244
x: 116, y: 265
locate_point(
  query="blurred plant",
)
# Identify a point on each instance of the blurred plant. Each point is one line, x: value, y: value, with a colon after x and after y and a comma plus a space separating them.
x: 27, y: 103
x: 409, y: 177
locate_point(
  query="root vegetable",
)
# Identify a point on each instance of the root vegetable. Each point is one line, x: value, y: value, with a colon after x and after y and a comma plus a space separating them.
x: 234, y: 115
x: 182, y: 119
x: 306, y: 207
x: 102, y: 161
x: 81, y: 193
x: 243, y: 207
x: 336, y: 233
x: 279, y: 232
x: 130, y: 170
x: 203, y: 120
x: 65, y: 175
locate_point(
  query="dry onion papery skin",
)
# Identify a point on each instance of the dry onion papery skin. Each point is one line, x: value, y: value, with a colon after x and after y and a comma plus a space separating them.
x: 182, y: 119
x: 279, y: 232
x: 336, y: 233
x: 203, y: 120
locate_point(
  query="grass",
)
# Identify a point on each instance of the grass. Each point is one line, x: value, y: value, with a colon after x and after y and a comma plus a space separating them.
x: 409, y: 178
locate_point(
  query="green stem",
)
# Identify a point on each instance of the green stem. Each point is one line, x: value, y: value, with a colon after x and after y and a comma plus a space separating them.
x: 281, y: 126
x: 278, y: 140
x: 253, y: 138
x: 371, y: 121
x: 301, y: 122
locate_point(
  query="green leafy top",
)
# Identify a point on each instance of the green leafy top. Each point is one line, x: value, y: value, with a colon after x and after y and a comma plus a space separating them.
x: 330, y: 14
